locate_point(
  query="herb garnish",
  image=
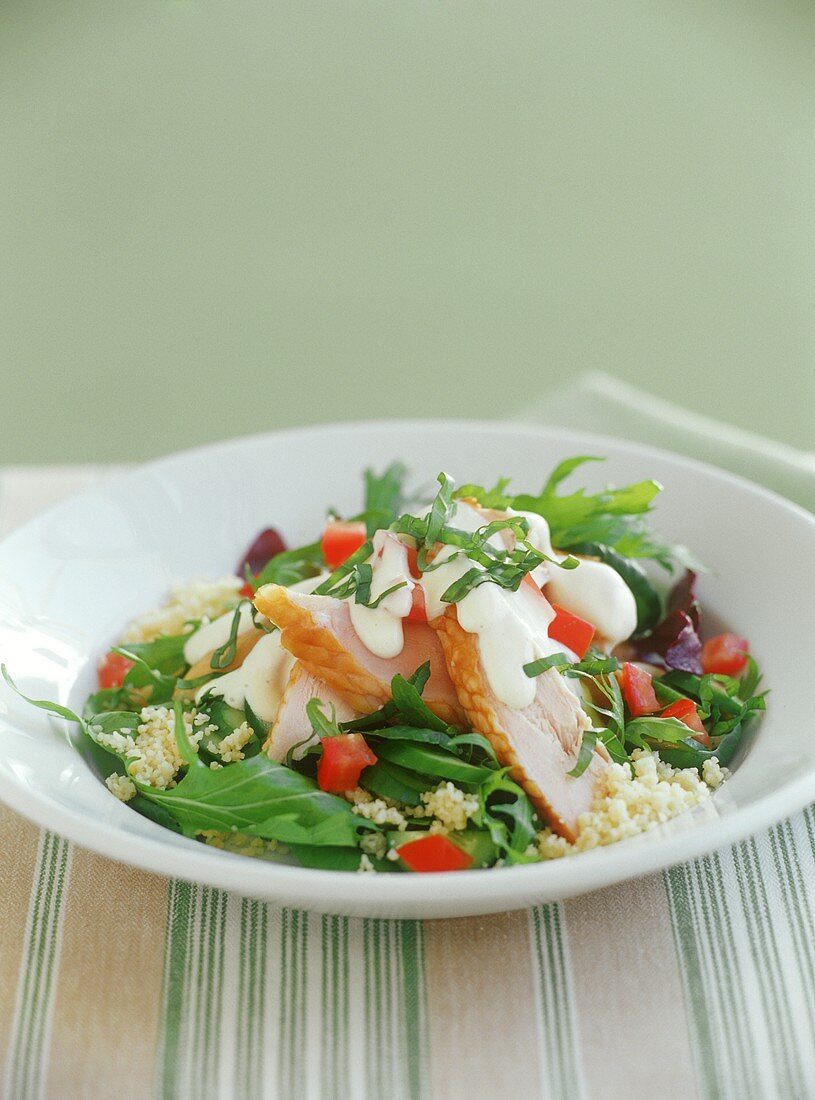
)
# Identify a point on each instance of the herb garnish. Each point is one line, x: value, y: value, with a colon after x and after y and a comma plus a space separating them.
x: 224, y: 655
x: 611, y: 517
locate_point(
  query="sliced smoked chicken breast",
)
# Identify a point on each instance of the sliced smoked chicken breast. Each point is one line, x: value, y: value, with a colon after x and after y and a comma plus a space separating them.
x: 291, y: 725
x: 539, y: 743
x: 318, y: 631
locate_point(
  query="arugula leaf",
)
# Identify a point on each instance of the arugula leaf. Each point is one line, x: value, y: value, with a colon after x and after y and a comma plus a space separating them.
x: 322, y: 724
x: 258, y: 796
x: 165, y: 653
x: 388, y: 780
x: 290, y: 566
x: 666, y: 730
x: 42, y: 704
x: 692, y: 754
x: 508, y: 815
x: 432, y: 762
x: 390, y: 709
x: 565, y: 468
x: 611, y: 517
x: 407, y: 698
x: 141, y: 675
x: 411, y: 733
x: 384, y: 496
x: 496, y: 497
x: 473, y: 741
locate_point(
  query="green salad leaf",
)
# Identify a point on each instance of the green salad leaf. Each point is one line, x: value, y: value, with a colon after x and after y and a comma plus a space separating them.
x: 290, y: 566
x: 612, y: 517
x: 384, y: 496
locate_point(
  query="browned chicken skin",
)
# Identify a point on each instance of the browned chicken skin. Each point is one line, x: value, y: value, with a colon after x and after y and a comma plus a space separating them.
x: 319, y: 632
x: 539, y: 744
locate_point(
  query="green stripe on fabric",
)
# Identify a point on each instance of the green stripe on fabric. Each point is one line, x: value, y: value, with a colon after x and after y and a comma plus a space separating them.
x: 208, y: 960
x: 764, y: 949
x: 292, y: 1080
x: 414, y: 1001
x: 32, y: 1020
x: 799, y: 914
x: 560, y: 1059
x: 252, y: 959
x: 718, y: 1015
x: 192, y: 991
x: 395, y: 1009
x: 177, y: 943
x: 689, y: 950
x: 334, y: 1067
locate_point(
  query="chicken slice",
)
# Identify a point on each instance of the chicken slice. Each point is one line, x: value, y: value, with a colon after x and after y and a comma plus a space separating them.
x: 319, y: 632
x: 540, y: 743
x: 291, y: 725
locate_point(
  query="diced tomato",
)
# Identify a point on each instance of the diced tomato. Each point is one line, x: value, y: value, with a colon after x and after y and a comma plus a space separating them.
x: 247, y: 592
x: 726, y: 654
x: 638, y: 690
x: 572, y: 631
x: 112, y: 669
x: 341, y: 540
x: 413, y: 562
x: 343, y: 759
x: 418, y: 612
x: 434, y: 853
x: 266, y: 546
x: 685, y: 711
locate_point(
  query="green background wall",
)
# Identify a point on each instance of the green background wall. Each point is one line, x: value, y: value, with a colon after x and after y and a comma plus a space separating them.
x: 218, y: 217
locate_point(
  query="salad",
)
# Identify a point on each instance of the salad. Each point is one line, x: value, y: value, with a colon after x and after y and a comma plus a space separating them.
x: 476, y: 678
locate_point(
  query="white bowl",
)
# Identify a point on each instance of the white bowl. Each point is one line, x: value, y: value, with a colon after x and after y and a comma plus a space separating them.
x: 72, y: 578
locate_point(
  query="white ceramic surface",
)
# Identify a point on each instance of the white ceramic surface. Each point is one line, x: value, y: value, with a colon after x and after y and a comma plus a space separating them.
x: 70, y: 580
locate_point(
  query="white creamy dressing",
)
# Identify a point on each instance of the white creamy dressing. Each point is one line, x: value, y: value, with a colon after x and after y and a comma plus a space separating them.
x: 260, y: 681
x: 594, y: 591
x: 512, y: 627
x: 215, y: 634
x: 380, y: 628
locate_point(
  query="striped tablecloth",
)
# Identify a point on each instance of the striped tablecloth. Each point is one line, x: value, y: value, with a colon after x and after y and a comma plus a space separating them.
x: 118, y: 983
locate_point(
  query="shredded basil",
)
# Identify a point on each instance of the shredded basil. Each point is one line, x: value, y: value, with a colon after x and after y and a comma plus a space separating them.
x: 586, y: 754
x: 224, y: 655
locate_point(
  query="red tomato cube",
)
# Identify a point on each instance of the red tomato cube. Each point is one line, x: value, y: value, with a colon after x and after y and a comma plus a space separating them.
x: 726, y: 654
x: 434, y: 853
x: 343, y: 760
x: 112, y: 669
x: 638, y: 690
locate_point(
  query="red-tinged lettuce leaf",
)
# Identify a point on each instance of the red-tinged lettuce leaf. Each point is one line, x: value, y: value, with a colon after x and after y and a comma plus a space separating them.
x: 685, y: 651
x: 266, y: 546
x: 682, y: 597
x: 675, y: 642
